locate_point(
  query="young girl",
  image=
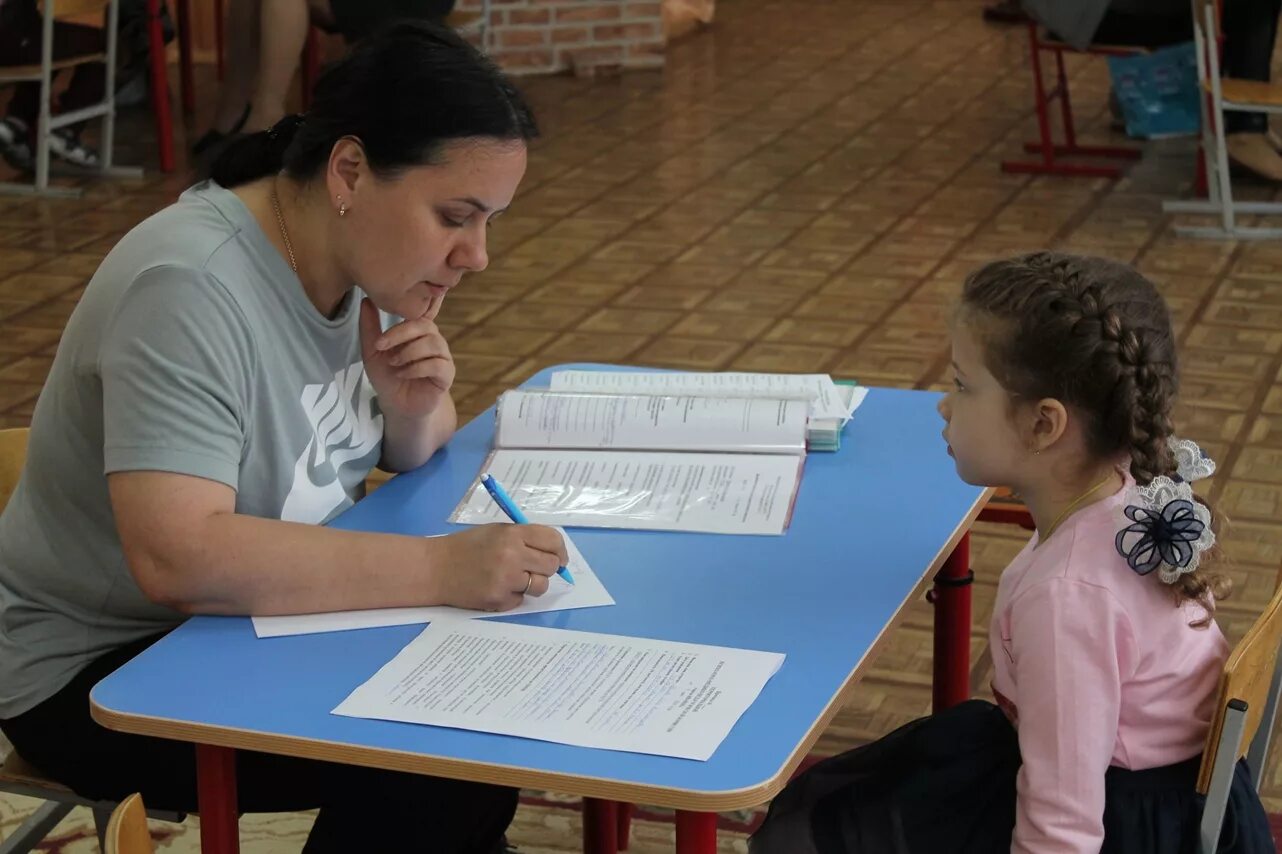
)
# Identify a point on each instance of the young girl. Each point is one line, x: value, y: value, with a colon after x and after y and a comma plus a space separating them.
x: 1106, y: 654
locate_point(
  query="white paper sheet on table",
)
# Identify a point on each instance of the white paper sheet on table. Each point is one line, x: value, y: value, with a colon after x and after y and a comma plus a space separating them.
x: 593, y: 690
x: 586, y: 592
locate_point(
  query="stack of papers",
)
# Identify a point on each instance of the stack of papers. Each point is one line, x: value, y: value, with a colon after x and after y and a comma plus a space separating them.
x: 830, y: 405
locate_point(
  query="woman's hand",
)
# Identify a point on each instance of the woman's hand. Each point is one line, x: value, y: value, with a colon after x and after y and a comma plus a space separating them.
x: 409, y: 365
x: 494, y: 567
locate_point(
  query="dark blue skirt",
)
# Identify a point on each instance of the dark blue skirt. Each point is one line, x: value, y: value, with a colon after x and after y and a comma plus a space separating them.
x: 946, y: 783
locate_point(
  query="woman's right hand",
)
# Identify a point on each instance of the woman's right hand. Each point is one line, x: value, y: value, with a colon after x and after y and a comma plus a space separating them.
x: 494, y: 567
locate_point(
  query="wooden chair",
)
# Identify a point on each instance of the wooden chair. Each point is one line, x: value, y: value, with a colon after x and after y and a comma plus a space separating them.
x: 1052, y: 153
x: 47, y: 123
x: 1245, y: 711
x: 127, y: 831
x: 16, y: 776
x: 1222, y: 94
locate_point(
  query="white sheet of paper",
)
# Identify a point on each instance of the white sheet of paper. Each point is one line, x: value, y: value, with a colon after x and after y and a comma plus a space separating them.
x: 581, y: 688
x: 543, y: 419
x: 712, y: 493
x: 856, y: 393
x: 817, y: 388
x: 586, y: 592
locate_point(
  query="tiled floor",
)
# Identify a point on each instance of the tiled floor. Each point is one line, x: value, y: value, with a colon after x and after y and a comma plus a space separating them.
x: 802, y: 190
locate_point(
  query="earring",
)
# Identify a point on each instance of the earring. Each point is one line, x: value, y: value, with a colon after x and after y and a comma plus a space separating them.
x: 342, y: 207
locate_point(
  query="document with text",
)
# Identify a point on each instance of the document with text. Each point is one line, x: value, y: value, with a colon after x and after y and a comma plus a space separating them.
x: 586, y: 421
x: 592, y: 690
x: 825, y: 397
x: 710, y: 493
x: 586, y: 592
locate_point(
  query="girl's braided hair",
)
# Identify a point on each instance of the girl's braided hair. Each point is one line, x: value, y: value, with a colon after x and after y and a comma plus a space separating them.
x: 1095, y: 335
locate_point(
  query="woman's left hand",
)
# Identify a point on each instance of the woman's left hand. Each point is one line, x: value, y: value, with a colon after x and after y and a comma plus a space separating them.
x: 409, y: 365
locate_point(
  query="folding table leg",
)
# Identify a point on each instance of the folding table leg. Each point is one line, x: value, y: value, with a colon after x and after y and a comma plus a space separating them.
x: 600, y: 826
x: 696, y: 832
x: 219, y: 23
x: 951, y: 598
x: 625, y: 826
x: 160, y: 87
x: 187, y: 73
x: 216, y: 794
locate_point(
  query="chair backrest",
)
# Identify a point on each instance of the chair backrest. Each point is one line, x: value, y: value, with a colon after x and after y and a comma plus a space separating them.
x: 127, y: 831
x: 74, y: 8
x: 1247, y: 678
x: 13, y: 454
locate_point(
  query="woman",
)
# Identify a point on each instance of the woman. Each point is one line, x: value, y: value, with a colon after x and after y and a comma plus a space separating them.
x: 223, y: 385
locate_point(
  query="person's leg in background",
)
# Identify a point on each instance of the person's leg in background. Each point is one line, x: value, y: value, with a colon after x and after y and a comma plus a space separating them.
x: 20, y: 27
x: 361, y: 809
x: 241, y: 63
x: 1250, y: 30
x: 284, y: 25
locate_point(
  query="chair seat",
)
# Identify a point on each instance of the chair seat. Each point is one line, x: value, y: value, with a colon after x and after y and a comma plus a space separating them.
x: 17, y: 772
x: 1247, y: 92
x: 32, y: 72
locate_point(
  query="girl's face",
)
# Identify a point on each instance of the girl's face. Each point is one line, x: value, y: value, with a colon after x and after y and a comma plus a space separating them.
x: 417, y: 234
x: 981, y: 434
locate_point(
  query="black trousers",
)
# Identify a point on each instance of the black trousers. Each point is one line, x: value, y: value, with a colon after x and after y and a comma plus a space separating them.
x: 361, y: 809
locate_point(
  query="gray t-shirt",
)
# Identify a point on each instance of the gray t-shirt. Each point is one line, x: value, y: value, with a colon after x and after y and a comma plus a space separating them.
x: 194, y: 350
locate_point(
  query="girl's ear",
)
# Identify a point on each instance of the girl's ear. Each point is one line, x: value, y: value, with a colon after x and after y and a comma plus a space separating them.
x: 1045, y: 423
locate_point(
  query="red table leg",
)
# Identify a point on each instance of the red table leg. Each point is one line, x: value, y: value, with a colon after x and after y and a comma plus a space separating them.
x: 311, y: 64
x: 216, y: 791
x: 219, y: 21
x: 160, y: 87
x: 696, y: 832
x: 184, y: 56
x: 600, y: 826
x: 625, y: 826
x: 951, y: 598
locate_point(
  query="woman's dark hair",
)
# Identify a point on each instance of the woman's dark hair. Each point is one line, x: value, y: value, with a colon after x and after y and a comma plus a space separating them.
x: 1095, y: 335
x: 404, y: 92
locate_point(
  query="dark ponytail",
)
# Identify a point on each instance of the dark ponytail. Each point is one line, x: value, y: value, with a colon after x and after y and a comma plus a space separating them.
x: 256, y: 155
x: 404, y: 92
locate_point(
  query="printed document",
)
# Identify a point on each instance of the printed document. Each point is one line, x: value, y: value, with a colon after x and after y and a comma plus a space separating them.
x: 712, y: 493
x: 592, y: 690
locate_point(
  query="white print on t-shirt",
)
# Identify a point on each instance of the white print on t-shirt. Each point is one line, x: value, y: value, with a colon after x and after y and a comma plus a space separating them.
x: 344, y: 428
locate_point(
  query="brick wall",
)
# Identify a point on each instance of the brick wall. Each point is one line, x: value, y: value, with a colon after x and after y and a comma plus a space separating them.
x: 583, y: 36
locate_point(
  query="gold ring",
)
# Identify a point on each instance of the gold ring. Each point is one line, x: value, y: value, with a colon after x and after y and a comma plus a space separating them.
x: 528, y: 581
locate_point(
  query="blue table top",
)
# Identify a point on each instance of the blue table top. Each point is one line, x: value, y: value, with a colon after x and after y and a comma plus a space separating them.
x: 871, y: 521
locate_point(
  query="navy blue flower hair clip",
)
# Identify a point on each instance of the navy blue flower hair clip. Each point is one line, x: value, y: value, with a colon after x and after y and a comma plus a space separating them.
x: 1169, y: 529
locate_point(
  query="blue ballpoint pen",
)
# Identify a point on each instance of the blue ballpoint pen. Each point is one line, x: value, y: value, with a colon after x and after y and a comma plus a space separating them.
x: 509, y: 508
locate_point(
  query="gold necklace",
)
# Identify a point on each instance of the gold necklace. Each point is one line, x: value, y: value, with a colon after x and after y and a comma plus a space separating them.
x: 280, y: 220
x: 1073, y: 506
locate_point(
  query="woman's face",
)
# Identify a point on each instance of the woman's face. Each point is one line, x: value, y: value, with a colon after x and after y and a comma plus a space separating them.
x: 408, y: 240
